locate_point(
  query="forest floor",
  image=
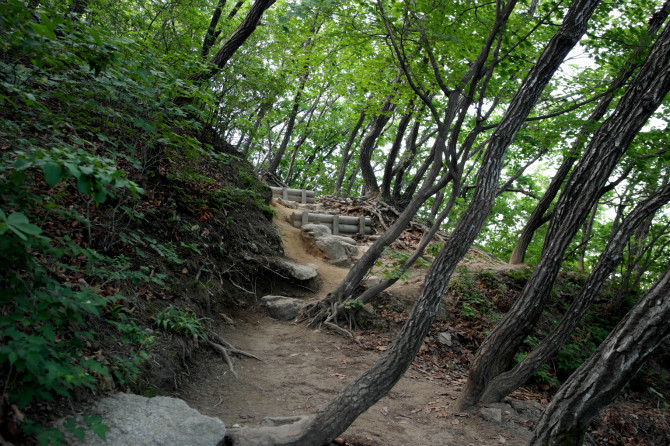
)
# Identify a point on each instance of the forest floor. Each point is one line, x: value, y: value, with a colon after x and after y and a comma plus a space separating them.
x: 302, y: 368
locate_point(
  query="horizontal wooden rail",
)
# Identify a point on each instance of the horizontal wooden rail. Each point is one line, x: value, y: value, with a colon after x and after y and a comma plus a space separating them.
x: 343, y: 224
x: 299, y: 195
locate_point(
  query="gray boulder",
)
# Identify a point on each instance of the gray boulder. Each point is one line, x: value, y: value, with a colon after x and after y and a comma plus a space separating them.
x: 158, y: 421
x: 298, y: 271
x: 337, y: 249
x: 281, y: 307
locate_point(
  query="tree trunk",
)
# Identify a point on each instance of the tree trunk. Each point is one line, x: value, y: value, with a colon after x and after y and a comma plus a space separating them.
x: 587, y: 229
x: 346, y: 157
x: 212, y: 34
x: 262, y: 110
x: 334, y: 417
x: 408, y: 157
x: 239, y: 36
x: 393, y: 153
x: 368, y: 145
x: 580, y: 193
x: 505, y: 383
x: 537, y: 217
x: 320, y: 311
x: 599, y: 380
x: 288, y: 131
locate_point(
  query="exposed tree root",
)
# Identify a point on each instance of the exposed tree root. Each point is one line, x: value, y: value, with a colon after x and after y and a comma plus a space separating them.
x: 341, y: 330
x: 272, y: 432
x: 226, y: 349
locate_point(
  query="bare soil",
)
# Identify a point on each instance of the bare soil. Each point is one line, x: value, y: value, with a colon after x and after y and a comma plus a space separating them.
x: 302, y: 368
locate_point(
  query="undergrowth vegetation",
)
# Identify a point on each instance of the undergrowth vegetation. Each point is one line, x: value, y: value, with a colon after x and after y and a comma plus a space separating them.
x: 482, y: 297
x: 106, y: 211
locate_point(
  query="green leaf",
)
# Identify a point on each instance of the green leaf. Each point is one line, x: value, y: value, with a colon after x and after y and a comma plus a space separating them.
x: 84, y: 185
x: 52, y: 173
x: 100, y: 196
x: 86, y: 170
x: 100, y: 430
x: 19, y: 222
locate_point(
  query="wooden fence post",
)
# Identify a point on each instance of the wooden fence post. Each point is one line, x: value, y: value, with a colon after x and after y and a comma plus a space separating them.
x: 336, y: 225
x: 361, y: 225
x: 305, y: 218
x: 304, y: 196
x: 285, y: 193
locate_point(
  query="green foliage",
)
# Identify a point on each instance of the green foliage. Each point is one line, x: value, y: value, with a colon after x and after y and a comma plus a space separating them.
x: 45, y: 321
x: 182, y: 322
x: 79, y: 110
x: 76, y: 427
x: 474, y: 301
x: 392, y: 269
x: 544, y: 374
x: 353, y: 304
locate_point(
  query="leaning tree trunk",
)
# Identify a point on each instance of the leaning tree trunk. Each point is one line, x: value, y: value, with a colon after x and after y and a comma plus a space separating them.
x: 610, y: 141
x: 288, y: 132
x: 393, y: 153
x: 505, y: 383
x: 368, y: 145
x: 538, y: 217
x: 346, y: 157
x: 599, y: 380
x: 334, y: 417
x: 239, y: 36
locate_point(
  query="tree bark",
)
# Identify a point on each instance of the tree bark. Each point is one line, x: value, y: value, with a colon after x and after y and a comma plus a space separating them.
x: 368, y: 145
x: 599, y: 380
x: 212, y: 34
x: 334, y: 417
x: 393, y: 153
x: 239, y: 36
x: 288, y: 131
x: 346, y: 157
x: 409, y: 154
x: 537, y: 217
x: 505, y: 383
x: 580, y: 193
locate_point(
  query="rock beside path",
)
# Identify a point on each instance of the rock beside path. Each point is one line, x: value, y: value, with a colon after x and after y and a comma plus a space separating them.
x: 158, y: 421
x: 338, y: 250
x: 281, y: 307
x: 298, y: 271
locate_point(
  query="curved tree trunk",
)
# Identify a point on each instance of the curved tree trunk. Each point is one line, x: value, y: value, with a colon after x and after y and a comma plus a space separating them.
x: 505, y: 383
x: 321, y: 310
x: 599, y: 380
x: 368, y: 145
x: 346, y: 157
x: 407, y: 158
x: 239, y: 36
x: 212, y: 34
x: 580, y: 193
x: 538, y: 216
x: 393, y: 153
x: 288, y: 131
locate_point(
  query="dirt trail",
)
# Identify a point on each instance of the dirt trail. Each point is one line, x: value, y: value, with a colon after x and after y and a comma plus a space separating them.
x: 330, y: 275
x: 302, y: 368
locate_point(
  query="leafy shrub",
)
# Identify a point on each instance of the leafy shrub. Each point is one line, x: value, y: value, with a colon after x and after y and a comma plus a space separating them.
x: 393, y: 269
x: 182, y: 322
x: 78, y: 109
